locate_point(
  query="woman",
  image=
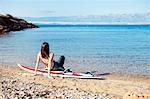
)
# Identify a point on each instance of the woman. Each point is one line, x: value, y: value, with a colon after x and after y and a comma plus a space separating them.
x: 48, y: 60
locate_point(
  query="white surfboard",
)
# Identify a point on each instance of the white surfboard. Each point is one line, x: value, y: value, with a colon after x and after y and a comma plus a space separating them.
x: 59, y: 73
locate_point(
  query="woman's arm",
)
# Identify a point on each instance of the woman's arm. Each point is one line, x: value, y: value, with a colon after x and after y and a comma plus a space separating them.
x: 50, y: 63
x: 37, y: 63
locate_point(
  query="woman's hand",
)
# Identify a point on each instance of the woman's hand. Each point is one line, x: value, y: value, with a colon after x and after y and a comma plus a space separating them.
x: 35, y: 74
x: 51, y: 77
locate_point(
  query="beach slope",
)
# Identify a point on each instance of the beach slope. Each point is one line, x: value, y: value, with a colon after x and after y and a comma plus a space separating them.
x: 15, y: 82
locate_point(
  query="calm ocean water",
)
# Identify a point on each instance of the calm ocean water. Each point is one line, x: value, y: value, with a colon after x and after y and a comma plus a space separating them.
x: 104, y: 48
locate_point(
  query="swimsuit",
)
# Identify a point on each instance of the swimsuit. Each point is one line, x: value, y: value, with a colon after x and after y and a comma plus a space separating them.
x: 57, y: 66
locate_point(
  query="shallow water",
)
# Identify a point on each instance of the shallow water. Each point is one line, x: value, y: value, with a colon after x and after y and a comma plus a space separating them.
x: 103, y: 48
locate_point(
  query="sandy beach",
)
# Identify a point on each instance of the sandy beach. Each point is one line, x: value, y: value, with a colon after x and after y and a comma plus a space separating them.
x: 16, y: 83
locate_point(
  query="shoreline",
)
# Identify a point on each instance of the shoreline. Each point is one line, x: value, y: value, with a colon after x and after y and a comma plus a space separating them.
x: 114, y: 85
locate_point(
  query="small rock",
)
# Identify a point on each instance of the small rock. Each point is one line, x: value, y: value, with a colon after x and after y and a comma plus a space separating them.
x: 104, y: 94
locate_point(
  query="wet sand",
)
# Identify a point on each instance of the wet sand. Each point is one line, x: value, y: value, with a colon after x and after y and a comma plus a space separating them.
x: 16, y: 83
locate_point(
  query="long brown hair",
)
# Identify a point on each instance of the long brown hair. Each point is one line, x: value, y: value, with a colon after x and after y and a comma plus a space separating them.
x: 45, y: 50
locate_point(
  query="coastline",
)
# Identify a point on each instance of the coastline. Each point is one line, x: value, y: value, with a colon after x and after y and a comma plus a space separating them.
x: 112, y: 87
x: 10, y: 23
x: 121, y: 48
x: 17, y: 83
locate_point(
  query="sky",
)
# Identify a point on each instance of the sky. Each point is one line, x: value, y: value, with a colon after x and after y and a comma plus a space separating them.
x: 45, y: 8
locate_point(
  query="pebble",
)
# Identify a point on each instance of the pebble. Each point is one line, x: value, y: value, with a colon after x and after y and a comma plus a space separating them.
x: 104, y: 94
x: 19, y: 90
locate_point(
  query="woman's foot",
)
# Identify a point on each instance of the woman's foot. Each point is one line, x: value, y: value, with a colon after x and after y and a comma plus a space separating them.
x: 51, y: 77
x: 67, y: 70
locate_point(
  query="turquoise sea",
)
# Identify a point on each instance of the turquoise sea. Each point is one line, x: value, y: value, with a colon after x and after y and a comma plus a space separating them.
x: 103, y: 48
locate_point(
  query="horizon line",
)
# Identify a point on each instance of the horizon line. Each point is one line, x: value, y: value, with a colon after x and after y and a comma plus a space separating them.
x: 91, y: 23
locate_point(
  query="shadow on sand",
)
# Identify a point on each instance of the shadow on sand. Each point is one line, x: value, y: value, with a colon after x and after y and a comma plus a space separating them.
x: 98, y: 75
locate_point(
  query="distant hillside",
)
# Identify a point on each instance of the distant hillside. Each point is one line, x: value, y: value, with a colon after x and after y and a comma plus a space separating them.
x: 111, y: 18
